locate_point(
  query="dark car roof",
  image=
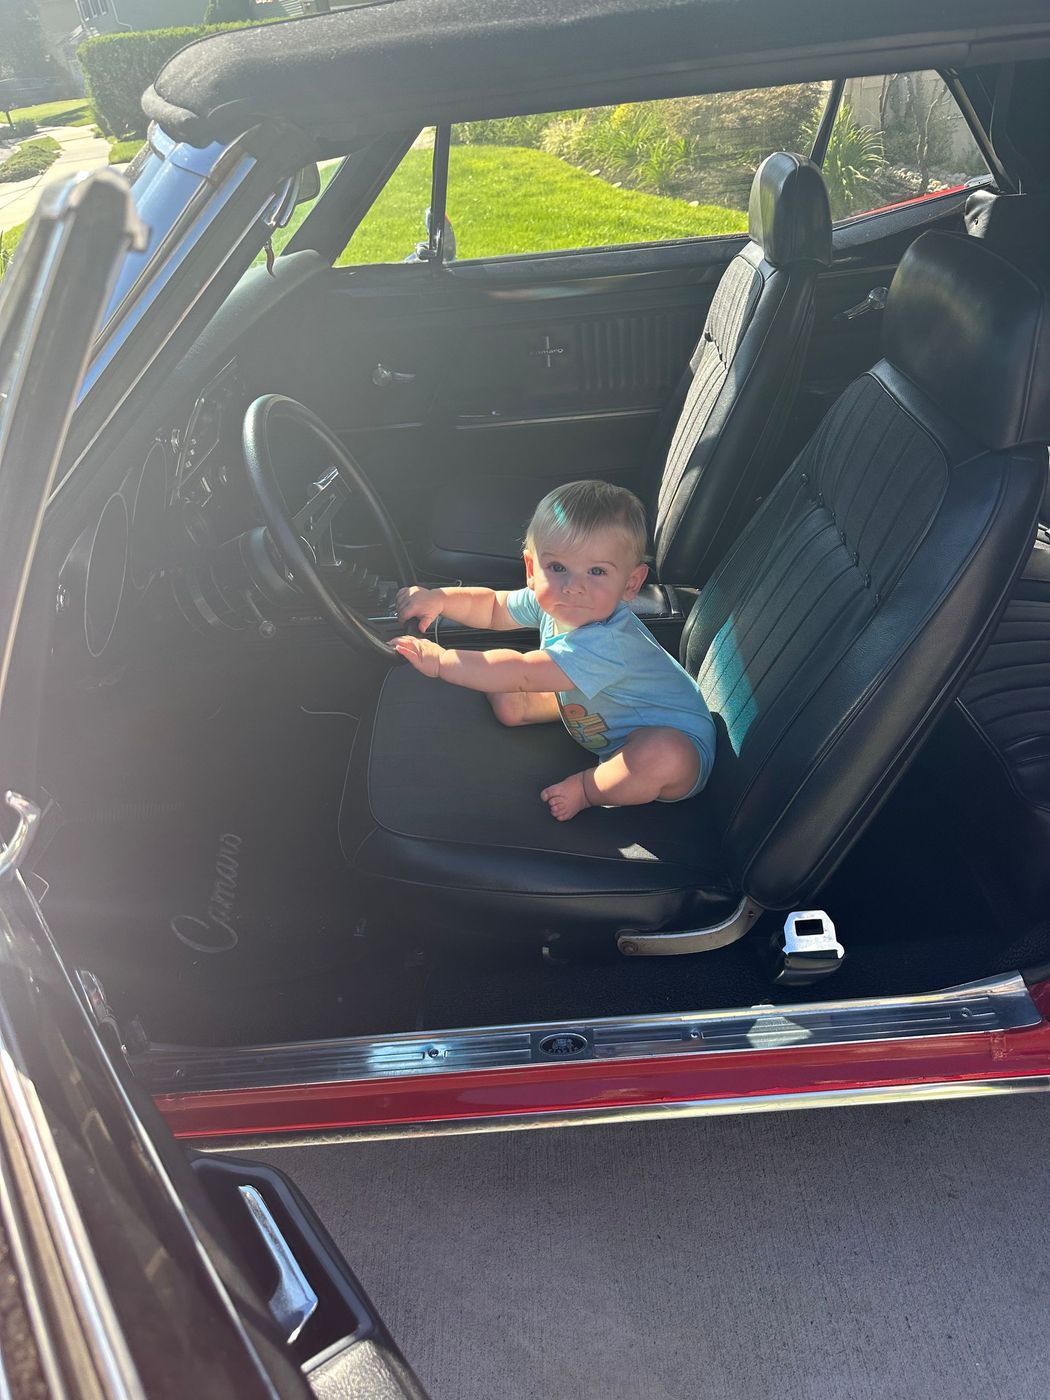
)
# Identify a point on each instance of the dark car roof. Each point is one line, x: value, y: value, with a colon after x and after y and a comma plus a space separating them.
x: 394, y: 64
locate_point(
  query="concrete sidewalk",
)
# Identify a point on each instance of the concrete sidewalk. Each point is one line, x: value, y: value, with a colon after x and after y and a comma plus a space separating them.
x: 81, y: 150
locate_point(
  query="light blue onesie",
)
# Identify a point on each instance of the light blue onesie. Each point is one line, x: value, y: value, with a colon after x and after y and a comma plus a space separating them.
x: 622, y: 679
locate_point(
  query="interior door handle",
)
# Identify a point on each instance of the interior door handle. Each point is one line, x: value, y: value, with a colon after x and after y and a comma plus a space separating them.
x: 384, y: 378
x: 874, y: 301
x: 293, y: 1302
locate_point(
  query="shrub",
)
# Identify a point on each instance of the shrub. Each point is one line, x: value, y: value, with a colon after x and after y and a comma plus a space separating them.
x: 23, y: 126
x: 740, y: 128
x: 118, y: 68
x: 854, y: 158
x: 506, y: 131
x: 31, y: 158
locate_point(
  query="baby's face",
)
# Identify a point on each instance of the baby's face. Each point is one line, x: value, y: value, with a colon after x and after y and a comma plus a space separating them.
x: 584, y: 583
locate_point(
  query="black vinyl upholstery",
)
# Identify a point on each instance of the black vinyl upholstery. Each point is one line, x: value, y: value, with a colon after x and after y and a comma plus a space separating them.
x: 742, y: 379
x: 454, y: 821
x: 839, y: 628
x: 993, y: 748
x: 993, y: 751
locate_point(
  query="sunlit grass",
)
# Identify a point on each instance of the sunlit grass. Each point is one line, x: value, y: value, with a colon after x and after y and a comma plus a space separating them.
x: 518, y: 200
x: 9, y: 240
x: 122, y: 151
x: 75, y: 111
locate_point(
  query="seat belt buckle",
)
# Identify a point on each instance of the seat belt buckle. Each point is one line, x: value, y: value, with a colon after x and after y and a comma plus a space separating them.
x: 806, y: 949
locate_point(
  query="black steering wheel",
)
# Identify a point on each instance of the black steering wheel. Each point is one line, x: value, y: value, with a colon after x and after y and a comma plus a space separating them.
x: 301, y: 537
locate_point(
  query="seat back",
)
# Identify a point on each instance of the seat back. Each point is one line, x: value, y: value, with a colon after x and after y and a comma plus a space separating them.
x: 743, y: 373
x: 847, y: 615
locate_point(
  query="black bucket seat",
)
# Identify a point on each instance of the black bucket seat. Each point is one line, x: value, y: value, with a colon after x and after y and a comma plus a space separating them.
x: 836, y: 632
x: 734, y: 401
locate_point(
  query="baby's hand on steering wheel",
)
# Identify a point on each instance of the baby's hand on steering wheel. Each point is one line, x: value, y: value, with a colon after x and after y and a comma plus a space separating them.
x: 418, y: 652
x: 424, y: 603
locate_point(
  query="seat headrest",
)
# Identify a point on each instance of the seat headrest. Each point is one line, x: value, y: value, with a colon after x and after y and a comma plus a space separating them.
x: 1016, y: 225
x: 788, y: 214
x: 971, y: 328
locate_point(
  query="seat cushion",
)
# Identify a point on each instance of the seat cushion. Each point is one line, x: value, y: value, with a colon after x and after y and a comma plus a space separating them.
x: 458, y: 810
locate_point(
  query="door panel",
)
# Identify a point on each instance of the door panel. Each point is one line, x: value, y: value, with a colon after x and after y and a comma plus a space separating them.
x: 556, y: 365
x: 549, y: 366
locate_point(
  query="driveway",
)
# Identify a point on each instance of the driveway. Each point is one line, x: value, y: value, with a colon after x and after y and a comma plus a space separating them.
x: 81, y: 150
x: 895, y: 1253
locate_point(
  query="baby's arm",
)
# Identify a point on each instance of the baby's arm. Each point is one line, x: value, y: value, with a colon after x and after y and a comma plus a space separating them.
x: 491, y: 671
x: 484, y: 608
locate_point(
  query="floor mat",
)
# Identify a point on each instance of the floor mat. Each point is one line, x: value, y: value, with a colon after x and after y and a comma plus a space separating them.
x: 204, y: 883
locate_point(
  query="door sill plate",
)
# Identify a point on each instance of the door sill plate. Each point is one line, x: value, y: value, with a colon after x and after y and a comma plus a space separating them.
x: 997, y: 1005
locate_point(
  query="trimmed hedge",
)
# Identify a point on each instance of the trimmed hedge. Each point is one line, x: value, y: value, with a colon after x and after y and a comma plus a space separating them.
x: 118, y: 68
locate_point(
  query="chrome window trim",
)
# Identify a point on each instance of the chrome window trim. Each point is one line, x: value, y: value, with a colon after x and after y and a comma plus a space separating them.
x: 994, y: 1005
x: 59, y: 1242
x: 212, y: 174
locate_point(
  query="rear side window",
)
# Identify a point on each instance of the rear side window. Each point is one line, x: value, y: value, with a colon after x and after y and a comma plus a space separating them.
x: 897, y: 138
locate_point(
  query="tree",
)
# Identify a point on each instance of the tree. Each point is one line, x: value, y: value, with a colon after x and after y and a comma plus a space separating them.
x: 916, y: 111
x: 23, y: 50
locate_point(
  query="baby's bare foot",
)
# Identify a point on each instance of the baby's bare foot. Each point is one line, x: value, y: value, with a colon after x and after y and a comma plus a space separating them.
x: 566, y: 798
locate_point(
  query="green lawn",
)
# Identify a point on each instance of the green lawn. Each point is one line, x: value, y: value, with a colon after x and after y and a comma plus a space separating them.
x: 121, y: 151
x: 512, y: 199
x: 30, y: 158
x: 73, y: 112
x: 518, y: 200
x: 9, y: 239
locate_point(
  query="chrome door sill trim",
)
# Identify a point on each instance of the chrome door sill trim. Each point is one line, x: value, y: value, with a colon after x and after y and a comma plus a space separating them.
x: 998, y: 1004
x: 640, y: 1113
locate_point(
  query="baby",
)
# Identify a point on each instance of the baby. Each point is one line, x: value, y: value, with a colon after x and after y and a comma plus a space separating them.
x: 598, y: 669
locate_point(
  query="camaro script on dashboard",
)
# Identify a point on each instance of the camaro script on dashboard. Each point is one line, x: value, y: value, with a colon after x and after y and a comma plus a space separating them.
x: 214, y: 933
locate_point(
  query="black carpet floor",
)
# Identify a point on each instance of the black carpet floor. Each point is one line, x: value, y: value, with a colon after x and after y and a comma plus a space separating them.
x: 198, y: 872
x: 205, y: 885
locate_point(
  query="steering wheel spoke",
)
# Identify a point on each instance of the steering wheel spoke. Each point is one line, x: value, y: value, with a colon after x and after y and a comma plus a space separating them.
x: 313, y: 521
x: 305, y: 539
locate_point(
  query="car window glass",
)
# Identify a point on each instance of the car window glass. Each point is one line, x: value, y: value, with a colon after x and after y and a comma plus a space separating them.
x: 593, y: 177
x: 635, y: 173
x: 897, y: 137
x: 397, y: 222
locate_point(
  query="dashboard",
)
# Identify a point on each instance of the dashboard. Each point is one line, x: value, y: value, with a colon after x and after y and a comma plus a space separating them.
x: 179, y: 542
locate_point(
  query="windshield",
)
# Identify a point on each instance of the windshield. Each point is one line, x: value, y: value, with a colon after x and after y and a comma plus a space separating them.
x: 178, y: 190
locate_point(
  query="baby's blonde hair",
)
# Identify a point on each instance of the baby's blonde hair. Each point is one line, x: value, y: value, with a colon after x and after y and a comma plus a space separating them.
x: 568, y: 514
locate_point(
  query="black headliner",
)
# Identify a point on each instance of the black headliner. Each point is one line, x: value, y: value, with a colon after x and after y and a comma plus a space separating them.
x: 400, y: 64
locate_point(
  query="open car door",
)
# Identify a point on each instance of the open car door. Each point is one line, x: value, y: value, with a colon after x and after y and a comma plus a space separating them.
x: 129, y: 1267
